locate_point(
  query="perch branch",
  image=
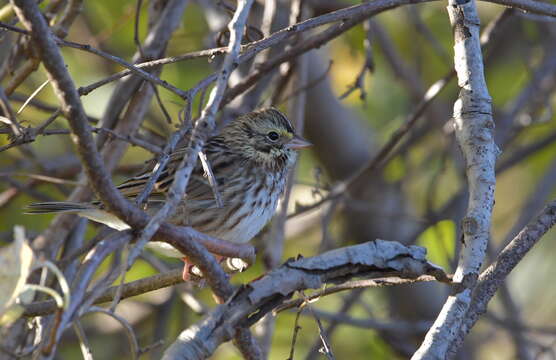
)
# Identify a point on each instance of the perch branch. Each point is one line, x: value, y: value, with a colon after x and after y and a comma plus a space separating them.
x: 249, y: 304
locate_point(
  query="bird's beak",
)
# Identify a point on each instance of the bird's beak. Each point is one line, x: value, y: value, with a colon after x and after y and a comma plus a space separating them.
x: 297, y: 142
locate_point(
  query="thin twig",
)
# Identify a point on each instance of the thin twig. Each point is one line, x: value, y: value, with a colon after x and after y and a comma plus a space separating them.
x: 83, y: 342
x: 326, y: 350
x: 132, y: 339
x: 491, y: 278
x: 132, y: 68
x: 296, y: 329
x: 33, y: 94
x: 130, y: 289
x: 211, y: 178
x: 368, y: 65
x: 352, y: 285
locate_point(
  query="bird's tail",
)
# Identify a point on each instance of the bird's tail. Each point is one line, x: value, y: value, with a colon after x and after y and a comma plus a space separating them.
x: 57, y: 207
x: 90, y: 211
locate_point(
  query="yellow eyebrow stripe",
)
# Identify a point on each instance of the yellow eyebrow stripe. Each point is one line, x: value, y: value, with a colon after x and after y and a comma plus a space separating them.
x: 285, y: 133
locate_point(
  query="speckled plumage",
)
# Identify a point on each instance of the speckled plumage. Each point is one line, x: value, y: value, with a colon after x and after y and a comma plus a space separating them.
x: 250, y: 159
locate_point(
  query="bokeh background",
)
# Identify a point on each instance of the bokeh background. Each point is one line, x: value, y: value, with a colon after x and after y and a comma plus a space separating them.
x: 416, y: 196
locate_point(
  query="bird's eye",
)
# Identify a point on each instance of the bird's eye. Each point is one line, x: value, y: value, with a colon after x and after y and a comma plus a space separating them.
x: 273, y: 136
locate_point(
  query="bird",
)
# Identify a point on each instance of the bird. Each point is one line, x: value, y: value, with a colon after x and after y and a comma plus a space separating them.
x: 250, y: 159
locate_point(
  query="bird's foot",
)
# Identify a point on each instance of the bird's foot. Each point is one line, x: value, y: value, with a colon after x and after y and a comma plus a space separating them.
x: 190, y: 271
x: 234, y: 265
x: 231, y: 265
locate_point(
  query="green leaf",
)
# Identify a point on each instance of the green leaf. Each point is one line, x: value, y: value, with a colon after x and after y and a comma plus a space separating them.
x: 440, y: 240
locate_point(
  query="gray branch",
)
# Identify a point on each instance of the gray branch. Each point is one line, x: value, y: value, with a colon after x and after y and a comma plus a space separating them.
x: 474, y: 133
x: 494, y: 276
x: 373, y: 259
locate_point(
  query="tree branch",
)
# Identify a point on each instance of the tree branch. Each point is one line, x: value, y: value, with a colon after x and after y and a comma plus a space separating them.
x: 130, y: 289
x: 373, y: 259
x: 495, y: 275
x: 474, y: 133
x: 179, y: 237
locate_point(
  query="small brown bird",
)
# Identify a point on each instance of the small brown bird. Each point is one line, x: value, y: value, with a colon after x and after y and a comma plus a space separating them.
x: 250, y: 159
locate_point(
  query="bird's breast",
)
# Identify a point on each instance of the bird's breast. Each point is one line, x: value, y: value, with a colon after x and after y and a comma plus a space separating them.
x: 253, y: 209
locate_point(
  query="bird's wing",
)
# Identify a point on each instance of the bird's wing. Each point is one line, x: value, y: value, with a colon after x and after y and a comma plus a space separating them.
x: 198, y: 188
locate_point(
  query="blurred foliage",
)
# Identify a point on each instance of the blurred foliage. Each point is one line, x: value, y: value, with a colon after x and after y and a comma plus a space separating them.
x: 420, y: 172
x: 439, y: 241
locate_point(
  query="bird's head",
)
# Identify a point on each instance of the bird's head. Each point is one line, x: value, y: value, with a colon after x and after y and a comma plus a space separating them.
x: 265, y: 137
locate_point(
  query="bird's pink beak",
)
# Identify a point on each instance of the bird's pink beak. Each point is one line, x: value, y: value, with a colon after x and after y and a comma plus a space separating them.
x: 297, y: 142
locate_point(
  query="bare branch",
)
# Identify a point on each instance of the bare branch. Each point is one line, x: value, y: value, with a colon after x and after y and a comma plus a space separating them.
x: 494, y: 276
x: 96, y: 172
x: 352, y: 285
x: 132, y: 68
x: 474, y: 133
x: 132, y: 339
x: 130, y: 289
x: 536, y: 7
x: 372, y: 259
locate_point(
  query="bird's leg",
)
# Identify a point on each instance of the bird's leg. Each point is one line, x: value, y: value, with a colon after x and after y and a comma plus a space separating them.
x: 232, y: 265
x: 187, y: 269
x: 190, y: 269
